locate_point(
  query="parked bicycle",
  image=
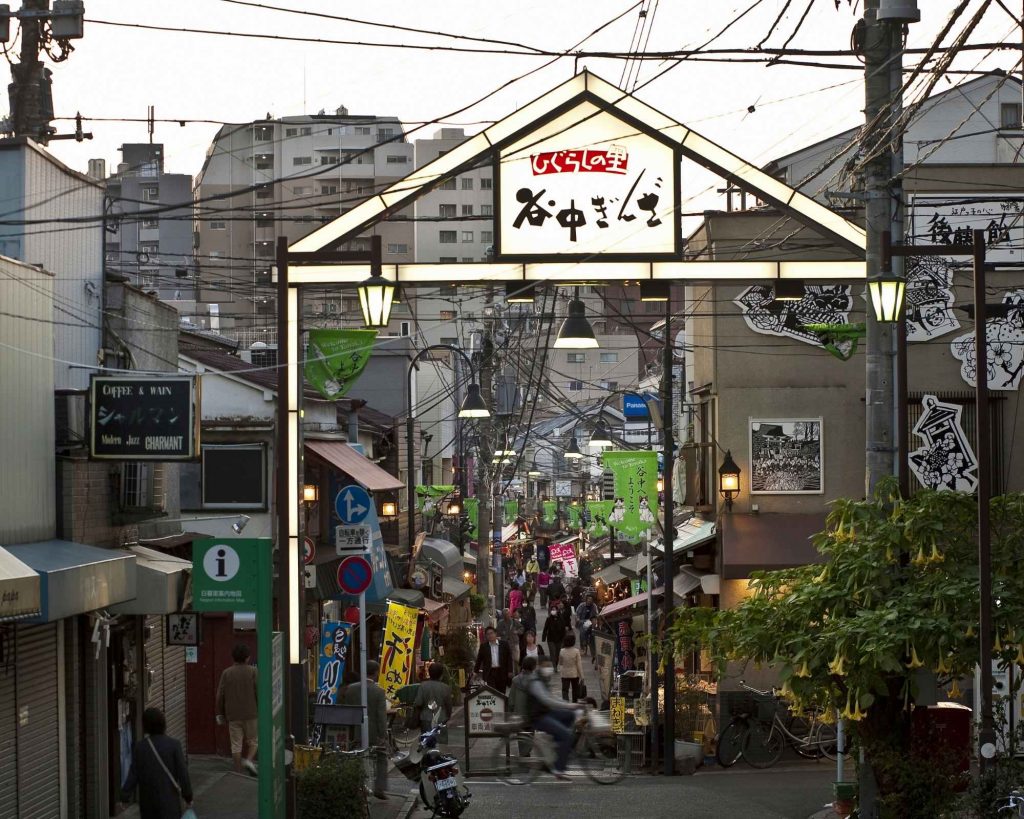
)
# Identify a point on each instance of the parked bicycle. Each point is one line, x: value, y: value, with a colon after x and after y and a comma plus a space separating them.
x: 522, y: 754
x: 1014, y: 805
x: 759, y: 733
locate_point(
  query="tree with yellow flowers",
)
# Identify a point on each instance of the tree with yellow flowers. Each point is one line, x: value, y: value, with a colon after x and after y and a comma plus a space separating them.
x: 896, y: 598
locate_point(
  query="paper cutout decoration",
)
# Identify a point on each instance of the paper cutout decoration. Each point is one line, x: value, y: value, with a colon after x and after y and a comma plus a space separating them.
x: 1005, y: 342
x: 946, y: 461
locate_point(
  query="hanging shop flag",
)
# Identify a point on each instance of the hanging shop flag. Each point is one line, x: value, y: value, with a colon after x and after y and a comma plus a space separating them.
x: 511, y: 511
x: 550, y: 511
x: 604, y: 657
x: 472, y: 507
x: 636, y: 491
x: 428, y: 496
x: 625, y: 658
x: 335, y: 359
x: 566, y: 554
x: 574, y: 517
x: 334, y: 641
x: 398, y: 648
x: 599, y: 512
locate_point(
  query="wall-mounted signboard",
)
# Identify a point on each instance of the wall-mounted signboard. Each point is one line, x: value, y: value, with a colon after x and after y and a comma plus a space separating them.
x: 153, y: 418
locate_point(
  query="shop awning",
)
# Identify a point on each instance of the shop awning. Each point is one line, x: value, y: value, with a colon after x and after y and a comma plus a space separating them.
x: 160, y: 583
x: 610, y: 574
x: 456, y: 588
x: 621, y: 606
x: 683, y: 584
x: 695, y: 532
x: 19, y: 588
x: 75, y: 578
x: 357, y: 466
x: 434, y: 609
x: 173, y: 541
x: 769, y: 541
x: 407, y: 597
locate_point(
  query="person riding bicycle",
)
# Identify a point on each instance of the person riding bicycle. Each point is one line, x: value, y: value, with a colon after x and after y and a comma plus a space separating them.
x: 546, y: 712
x: 586, y: 613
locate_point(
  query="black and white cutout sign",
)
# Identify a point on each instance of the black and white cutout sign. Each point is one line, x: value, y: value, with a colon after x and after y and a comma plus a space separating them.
x: 945, y: 461
x: 1004, y: 336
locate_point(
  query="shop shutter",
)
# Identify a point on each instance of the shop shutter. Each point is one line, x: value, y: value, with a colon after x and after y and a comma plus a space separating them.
x: 38, y: 749
x: 175, y: 702
x: 8, y: 721
x: 154, y: 659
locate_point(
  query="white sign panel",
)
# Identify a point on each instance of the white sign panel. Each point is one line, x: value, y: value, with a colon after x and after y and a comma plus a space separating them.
x: 484, y: 708
x: 354, y: 539
x: 588, y: 184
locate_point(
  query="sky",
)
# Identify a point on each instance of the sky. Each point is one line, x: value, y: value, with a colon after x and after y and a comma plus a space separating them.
x: 116, y: 71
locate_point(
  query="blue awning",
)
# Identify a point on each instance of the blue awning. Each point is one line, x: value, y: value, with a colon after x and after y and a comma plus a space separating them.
x: 75, y: 578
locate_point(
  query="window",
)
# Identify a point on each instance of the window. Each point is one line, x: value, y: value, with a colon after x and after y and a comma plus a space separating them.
x: 448, y: 237
x: 654, y: 307
x: 1009, y: 115
x: 230, y: 477
x: 447, y: 185
x: 405, y: 328
x: 362, y: 130
x: 149, y: 248
x: 136, y: 482
x: 467, y: 183
x: 454, y: 342
x: 302, y: 160
x: 264, y: 162
x: 609, y: 385
x: 397, y: 160
x: 447, y: 211
x: 397, y: 248
x: 328, y: 189
x: 446, y: 315
x: 467, y: 236
x: 327, y: 159
x: 150, y: 193
x: 467, y: 210
x: 467, y: 259
x: 264, y: 220
x: 609, y: 358
x: 487, y: 236
x: 151, y: 224
x: 385, y: 133
x: 263, y: 133
x: 307, y: 131
x: 448, y: 260
x: 486, y: 183
x: 264, y: 250
x: 218, y: 224
x: 330, y: 131
x: 264, y: 193
x: 576, y: 358
x: 575, y: 386
x: 486, y: 210
x: 290, y: 132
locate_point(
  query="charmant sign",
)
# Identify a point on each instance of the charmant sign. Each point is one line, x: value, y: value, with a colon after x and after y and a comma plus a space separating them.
x: 144, y: 419
x: 596, y: 187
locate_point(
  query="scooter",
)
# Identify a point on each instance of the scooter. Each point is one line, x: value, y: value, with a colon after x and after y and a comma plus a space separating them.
x: 441, y: 787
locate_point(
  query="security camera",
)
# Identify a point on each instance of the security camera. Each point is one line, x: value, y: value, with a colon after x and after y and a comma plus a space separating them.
x: 239, y: 524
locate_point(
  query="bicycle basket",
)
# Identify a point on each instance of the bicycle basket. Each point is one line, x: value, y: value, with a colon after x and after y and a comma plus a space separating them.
x: 599, y: 722
x: 763, y: 708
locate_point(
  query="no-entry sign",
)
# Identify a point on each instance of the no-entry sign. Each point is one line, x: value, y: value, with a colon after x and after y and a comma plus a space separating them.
x: 354, y: 574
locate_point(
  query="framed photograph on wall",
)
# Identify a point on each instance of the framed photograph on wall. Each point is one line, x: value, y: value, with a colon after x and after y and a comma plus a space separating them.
x: 183, y: 629
x: 786, y: 456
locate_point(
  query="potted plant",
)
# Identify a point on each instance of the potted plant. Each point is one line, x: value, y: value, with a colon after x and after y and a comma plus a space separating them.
x: 844, y: 798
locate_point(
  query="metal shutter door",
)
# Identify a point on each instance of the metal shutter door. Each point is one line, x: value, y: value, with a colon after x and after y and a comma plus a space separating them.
x: 154, y: 657
x: 38, y: 747
x: 8, y: 722
x: 175, y: 705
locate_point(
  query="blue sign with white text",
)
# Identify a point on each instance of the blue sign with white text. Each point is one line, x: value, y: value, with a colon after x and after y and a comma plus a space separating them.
x: 381, y: 586
x: 634, y: 406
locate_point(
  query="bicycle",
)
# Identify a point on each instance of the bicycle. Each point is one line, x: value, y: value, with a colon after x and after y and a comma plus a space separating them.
x: 759, y: 735
x: 522, y: 754
x: 403, y: 728
x: 1014, y: 804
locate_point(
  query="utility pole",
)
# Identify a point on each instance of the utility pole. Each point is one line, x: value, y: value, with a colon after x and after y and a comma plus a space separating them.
x: 668, y: 544
x: 485, y: 449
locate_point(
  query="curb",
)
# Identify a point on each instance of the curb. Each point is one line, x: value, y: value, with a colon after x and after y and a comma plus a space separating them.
x: 408, y: 806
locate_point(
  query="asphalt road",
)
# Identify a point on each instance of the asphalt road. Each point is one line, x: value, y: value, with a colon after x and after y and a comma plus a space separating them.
x: 785, y: 792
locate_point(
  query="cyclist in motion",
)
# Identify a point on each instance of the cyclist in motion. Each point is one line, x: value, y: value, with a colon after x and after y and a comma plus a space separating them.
x: 546, y: 712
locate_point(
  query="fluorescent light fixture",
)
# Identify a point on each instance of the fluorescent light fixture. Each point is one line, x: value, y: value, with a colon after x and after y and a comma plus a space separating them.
x: 789, y: 290
x: 654, y: 290
x: 520, y: 292
x: 576, y: 332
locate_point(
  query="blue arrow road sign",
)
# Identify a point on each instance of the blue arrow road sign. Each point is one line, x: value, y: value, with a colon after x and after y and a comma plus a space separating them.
x: 352, y: 504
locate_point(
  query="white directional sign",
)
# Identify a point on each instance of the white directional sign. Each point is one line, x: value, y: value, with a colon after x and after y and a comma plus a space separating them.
x: 353, y: 540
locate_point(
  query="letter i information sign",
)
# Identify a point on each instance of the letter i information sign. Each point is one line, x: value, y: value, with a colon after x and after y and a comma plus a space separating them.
x: 234, y: 574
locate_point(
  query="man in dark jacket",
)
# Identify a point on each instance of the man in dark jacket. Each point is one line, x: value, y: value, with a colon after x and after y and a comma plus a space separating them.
x: 377, y: 722
x: 553, y: 634
x: 158, y: 770
x: 494, y: 661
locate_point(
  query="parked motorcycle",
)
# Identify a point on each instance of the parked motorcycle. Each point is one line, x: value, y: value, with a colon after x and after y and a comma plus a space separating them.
x: 441, y: 786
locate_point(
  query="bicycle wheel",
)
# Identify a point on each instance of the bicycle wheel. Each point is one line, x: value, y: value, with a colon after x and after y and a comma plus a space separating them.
x: 404, y: 736
x: 803, y: 729
x: 516, y: 761
x: 763, y: 745
x: 599, y: 757
x: 729, y: 746
x: 826, y: 740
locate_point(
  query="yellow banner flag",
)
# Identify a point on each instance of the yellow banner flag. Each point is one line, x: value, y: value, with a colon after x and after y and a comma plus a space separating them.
x: 398, y: 650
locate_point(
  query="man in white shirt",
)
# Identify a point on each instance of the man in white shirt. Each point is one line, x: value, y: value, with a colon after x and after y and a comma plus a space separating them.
x: 494, y: 661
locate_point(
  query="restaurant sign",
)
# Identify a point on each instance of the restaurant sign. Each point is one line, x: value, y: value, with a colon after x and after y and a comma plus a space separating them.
x: 588, y: 183
x: 144, y: 419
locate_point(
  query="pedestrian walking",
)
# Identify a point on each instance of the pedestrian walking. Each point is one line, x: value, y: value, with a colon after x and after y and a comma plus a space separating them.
x: 543, y: 581
x: 508, y: 632
x: 377, y: 722
x: 236, y: 706
x: 433, y: 698
x: 531, y: 648
x: 586, y: 613
x: 532, y: 566
x: 158, y: 771
x: 556, y: 590
x: 553, y: 634
x: 515, y: 598
x: 494, y: 661
x: 570, y: 668
x: 528, y: 614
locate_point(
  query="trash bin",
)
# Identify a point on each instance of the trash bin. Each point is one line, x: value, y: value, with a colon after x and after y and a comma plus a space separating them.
x: 945, y: 728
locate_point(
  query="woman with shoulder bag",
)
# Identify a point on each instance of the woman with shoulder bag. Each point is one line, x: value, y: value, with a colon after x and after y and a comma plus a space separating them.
x: 159, y: 772
x: 570, y: 667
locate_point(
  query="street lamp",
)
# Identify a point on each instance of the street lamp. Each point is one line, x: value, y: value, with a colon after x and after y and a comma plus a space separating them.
x: 728, y: 479
x: 572, y: 452
x: 376, y: 295
x: 601, y: 438
x: 473, y: 405
x: 534, y: 472
x: 887, y: 297
x: 310, y: 493
x: 576, y: 332
x: 389, y: 509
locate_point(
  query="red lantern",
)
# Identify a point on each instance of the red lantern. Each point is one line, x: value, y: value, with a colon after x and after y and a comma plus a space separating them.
x: 351, y: 614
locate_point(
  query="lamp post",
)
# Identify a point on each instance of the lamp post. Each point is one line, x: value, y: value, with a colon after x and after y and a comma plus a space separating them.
x: 728, y: 479
x: 473, y: 406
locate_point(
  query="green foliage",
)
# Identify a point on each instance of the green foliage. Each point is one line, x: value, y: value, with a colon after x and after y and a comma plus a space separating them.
x: 858, y: 627
x: 458, y: 649
x: 335, y: 787
x: 477, y: 604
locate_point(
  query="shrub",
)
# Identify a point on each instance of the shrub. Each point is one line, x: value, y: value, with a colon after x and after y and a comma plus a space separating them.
x: 333, y: 788
x: 477, y: 604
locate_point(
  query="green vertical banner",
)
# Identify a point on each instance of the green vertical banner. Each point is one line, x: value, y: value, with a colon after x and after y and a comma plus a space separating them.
x: 428, y: 496
x: 472, y: 507
x: 511, y: 511
x: 550, y: 511
x: 336, y: 358
x: 599, y: 512
x: 574, y: 517
x: 636, y: 491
